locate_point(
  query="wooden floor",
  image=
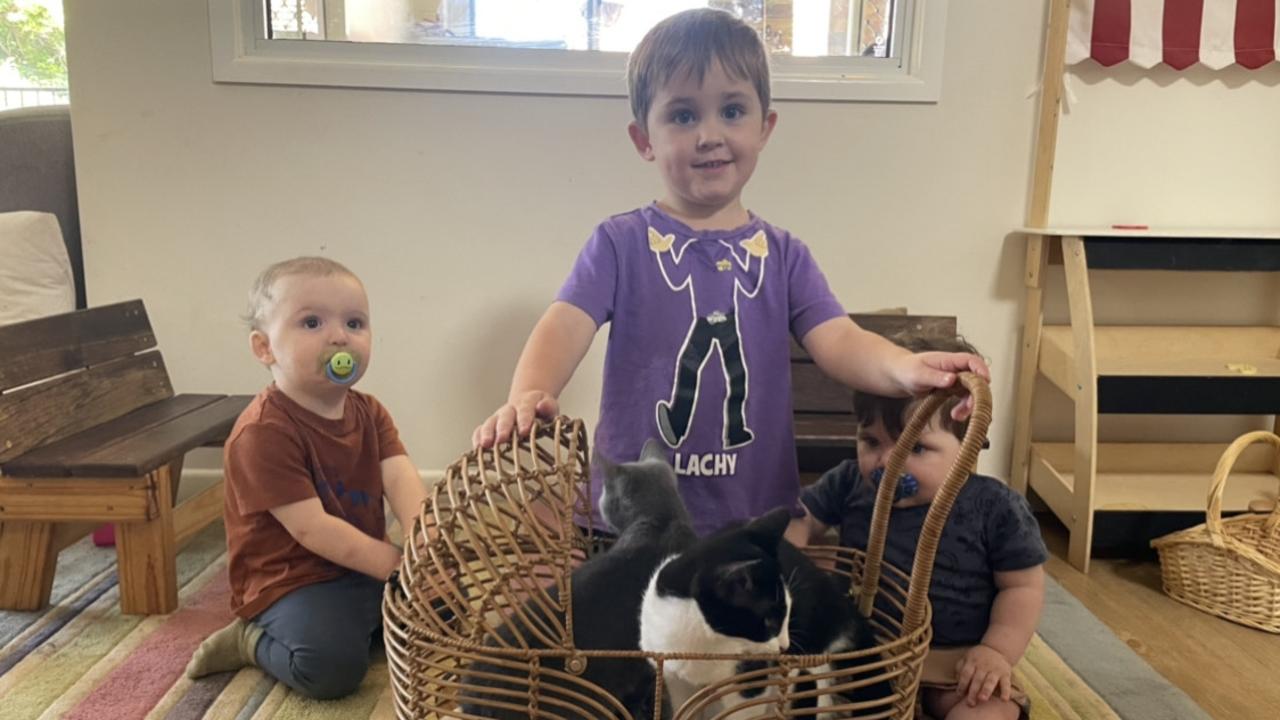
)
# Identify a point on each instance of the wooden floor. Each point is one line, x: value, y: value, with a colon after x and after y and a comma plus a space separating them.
x: 1228, y: 669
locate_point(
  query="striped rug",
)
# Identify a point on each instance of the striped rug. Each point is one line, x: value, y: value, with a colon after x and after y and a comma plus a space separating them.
x: 81, y: 658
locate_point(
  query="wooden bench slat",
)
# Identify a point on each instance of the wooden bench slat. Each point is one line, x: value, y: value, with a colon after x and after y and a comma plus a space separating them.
x: 817, y: 430
x: 40, y: 414
x: 821, y: 430
x: 144, y: 452
x: 823, y: 440
x: 888, y: 324
x: 57, y: 459
x: 812, y: 391
x: 45, y: 347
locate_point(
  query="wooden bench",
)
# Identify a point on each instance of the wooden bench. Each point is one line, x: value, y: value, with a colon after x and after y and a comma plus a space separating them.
x: 91, y: 432
x: 824, y: 422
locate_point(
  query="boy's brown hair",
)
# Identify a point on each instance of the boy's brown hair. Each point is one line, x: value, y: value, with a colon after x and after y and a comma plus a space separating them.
x: 688, y: 43
x: 892, y: 411
x: 262, y: 294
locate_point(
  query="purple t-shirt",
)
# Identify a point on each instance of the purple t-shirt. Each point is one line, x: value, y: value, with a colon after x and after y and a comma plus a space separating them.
x: 723, y: 304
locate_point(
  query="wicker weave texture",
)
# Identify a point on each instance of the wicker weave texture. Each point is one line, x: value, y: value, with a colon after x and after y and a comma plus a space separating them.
x: 1229, y: 568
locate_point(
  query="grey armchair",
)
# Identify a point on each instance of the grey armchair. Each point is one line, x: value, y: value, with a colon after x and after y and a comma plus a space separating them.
x: 37, y: 172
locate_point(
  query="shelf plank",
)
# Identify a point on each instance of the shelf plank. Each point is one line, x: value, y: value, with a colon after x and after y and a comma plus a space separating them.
x: 1172, y: 351
x: 1145, y: 457
x: 1172, y: 369
x: 1153, y: 477
x: 1152, y: 492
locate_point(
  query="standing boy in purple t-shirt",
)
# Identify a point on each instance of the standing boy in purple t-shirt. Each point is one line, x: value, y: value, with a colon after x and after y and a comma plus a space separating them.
x: 701, y: 295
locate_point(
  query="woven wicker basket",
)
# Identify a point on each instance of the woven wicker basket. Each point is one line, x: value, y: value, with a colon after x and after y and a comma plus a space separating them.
x: 1230, y: 568
x: 501, y: 529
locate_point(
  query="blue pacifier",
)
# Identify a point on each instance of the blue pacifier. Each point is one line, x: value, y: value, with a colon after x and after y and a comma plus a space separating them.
x: 907, y: 484
x: 341, y: 368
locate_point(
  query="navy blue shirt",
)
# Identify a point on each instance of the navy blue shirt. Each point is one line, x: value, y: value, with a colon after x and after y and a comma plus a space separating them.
x: 990, y: 529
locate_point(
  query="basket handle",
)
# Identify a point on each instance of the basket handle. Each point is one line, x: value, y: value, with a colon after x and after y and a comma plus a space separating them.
x: 1213, y: 516
x: 939, y: 509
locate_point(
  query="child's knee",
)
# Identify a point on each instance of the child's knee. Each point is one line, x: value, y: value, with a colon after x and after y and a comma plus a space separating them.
x: 329, y: 675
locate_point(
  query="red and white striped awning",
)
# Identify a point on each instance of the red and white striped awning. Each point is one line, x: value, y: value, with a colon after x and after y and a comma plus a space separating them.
x: 1179, y: 33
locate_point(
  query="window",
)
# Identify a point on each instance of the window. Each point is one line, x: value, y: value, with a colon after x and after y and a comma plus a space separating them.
x: 33, y: 54
x: 805, y: 28
x: 822, y: 49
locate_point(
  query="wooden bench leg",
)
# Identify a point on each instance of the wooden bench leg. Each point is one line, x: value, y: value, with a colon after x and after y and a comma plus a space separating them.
x: 27, y: 561
x: 146, y: 554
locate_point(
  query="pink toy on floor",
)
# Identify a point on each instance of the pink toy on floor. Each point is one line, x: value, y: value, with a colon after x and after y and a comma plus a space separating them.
x: 105, y: 535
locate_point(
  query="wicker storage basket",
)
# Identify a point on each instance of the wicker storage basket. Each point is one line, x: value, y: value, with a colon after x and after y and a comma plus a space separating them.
x: 1230, y: 568
x: 501, y: 529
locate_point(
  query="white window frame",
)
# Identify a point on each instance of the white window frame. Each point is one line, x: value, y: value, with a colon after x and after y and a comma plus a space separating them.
x: 241, y: 55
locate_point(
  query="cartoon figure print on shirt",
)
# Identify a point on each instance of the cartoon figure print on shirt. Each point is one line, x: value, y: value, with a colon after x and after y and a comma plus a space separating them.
x: 714, y: 290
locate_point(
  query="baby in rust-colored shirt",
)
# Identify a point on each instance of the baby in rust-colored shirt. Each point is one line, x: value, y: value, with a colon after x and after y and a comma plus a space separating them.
x: 280, y: 453
x: 307, y: 467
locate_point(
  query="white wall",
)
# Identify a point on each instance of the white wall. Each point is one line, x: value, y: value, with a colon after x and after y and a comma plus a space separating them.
x: 1162, y: 147
x: 1175, y: 149
x: 463, y: 212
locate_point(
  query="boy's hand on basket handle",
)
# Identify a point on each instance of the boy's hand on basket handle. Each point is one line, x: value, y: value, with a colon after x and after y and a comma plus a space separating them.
x: 919, y: 373
x: 981, y: 672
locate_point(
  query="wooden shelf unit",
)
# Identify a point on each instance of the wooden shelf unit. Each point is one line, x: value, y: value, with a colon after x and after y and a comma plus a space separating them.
x: 1141, y: 369
x: 1132, y: 368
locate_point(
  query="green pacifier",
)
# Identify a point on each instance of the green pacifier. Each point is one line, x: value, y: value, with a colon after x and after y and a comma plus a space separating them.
x: 341, y: 368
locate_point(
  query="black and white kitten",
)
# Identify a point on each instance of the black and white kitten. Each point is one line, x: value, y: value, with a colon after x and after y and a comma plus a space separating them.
x: 643, y: 506
x: 824, y: 619
x: 724, y: 594
x: 747, y: 590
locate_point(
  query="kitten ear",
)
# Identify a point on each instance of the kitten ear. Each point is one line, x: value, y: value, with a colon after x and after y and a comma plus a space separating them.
x: 736, y: 577
x: 767, y: 530
x: 654, y: 450
x: 679, y: 576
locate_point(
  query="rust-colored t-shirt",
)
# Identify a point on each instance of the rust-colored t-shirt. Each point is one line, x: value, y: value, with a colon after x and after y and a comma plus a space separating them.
x: 279, y: 453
